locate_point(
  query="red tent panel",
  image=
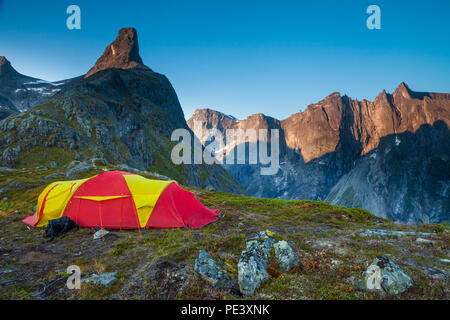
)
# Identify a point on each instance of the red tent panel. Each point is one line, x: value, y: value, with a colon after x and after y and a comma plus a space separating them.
x: 177, y: 207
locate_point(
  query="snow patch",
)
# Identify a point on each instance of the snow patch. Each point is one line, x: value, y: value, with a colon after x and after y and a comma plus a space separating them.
x: 45, y: 82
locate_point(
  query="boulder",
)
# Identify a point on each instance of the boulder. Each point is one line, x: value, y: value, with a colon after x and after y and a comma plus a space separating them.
x: 286, y: 256
x: 77, y: 169
x: 254, y: 260
x: 105, y: 279
x: 217, y: 274
x: 385, y: 276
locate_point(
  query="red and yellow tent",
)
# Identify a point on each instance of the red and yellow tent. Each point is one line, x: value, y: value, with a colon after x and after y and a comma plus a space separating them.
x: 121, y: 200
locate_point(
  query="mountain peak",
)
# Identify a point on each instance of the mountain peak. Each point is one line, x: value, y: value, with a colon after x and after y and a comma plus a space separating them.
x: 123, y: 53
x: 5, y: 65
x: 403, y: 90
x: 3, y: 60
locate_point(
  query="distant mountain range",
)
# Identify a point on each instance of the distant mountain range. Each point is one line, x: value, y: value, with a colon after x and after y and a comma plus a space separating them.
x: 120, y: 112
x: 19, y: 92
x: 390, y: 156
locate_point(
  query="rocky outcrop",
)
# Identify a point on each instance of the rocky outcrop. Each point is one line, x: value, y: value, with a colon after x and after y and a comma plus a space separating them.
x: 406, y: 178
x: 350, y: 152
x: 123, y: 53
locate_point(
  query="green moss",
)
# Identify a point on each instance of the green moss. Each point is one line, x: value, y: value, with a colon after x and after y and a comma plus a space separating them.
x: 40, y: 156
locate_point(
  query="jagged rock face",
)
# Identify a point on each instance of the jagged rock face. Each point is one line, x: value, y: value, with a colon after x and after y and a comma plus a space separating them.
x: 323, y: 124
x: 335, y: 141
x: 19, y: 92
x: 405, y: 179
x: 123, y: 53
x: 7, y: 108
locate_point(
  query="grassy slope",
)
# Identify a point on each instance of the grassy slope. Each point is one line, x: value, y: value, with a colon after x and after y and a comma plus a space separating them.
x: 159, y: 263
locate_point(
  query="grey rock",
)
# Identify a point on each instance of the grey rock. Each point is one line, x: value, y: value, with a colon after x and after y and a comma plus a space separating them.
x: 218, y: 274
x: 6, y: 169
x: 425, y: 241
x: 380, y: 233
x: 210, y: 188
x: 436, y: 273
x: 100, y: 234
x: 385, y: 276
x: 105, y: 279
x: 286, y: 256
x: 77, y: 169
x: 52, y: 176
x: 253, y: 263
x: 6, y: 271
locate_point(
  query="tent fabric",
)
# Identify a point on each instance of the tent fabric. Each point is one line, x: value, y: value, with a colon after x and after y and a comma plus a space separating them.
x: 121, y: 200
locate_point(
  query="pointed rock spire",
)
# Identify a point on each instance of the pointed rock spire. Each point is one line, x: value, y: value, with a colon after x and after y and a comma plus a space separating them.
x: 403, y: 90
x: 123, y: 53
x: 5, y: 66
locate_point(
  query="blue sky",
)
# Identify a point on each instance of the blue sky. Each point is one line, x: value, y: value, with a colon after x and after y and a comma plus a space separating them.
x: 243, y: 57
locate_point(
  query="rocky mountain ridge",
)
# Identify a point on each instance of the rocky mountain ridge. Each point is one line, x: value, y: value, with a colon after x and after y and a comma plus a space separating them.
x: 122, y: 116
x: 326, y: 142
x: 19, y: 92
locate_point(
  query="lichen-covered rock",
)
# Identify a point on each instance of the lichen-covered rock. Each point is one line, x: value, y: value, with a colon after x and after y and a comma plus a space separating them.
x: 286, y: 256
x: 252, y: 266
x: 254, y: 260
x: 385, y: 276
x: 218, y: 274
x: 105, y: 279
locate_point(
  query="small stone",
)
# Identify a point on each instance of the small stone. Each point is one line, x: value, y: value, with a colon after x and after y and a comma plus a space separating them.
x: 106, y: 279
x: 436, y: 273
x: 444, y: 260
x: 100, y: 234
x: 425, y: 241
x: 336, y: 262
x: 380, y: 233
x: 6, y: 271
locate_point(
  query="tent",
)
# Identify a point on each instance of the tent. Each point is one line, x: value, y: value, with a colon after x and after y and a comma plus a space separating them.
x: 121, y: 200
